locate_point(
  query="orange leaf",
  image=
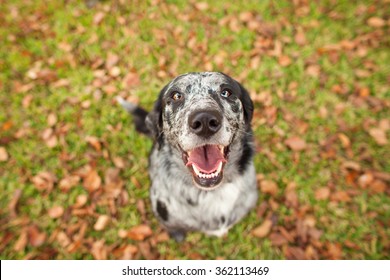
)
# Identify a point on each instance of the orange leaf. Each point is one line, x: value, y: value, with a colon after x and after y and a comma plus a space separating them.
x: 139, y: 232
x: 295, y: 143
x: 263, y: 230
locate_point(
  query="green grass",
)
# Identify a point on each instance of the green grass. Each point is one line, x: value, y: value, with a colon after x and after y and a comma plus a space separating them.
x: 163, y: 40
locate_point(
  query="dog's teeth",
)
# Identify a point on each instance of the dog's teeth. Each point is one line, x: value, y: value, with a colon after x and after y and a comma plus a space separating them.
x: 219, y: 167
x: 197, y: 172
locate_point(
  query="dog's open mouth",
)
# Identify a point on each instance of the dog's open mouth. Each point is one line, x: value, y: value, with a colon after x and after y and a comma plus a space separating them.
x: 206, y: 164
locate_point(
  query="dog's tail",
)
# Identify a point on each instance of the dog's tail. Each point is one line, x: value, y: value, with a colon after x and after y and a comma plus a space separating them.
x: 138, y: 113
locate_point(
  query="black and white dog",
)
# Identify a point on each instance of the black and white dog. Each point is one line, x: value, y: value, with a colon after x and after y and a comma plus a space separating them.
x: 201, y: 167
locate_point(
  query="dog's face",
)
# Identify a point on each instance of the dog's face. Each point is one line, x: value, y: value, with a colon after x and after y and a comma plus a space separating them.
x: 200, y: 115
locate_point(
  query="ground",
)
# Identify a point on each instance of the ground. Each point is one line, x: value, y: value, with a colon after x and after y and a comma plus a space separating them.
x: 73, y: 171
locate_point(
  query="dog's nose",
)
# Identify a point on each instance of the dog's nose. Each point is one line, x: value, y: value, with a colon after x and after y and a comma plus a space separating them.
x: 205, y: 123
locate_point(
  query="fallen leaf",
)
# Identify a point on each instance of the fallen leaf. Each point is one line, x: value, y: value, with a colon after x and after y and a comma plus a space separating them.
x: 322, y: 193
x: 44, y: 181
x: 99, y: 250
x: 12, y: 205
x: 101, y: 222
x: 379, y: 136
x: 68, y: 182
x: 295, y: 143
x: 52, y: 119
x: 295, y: 253
x: 56, y: 212
x: 129, y: 252
x: 21, y: 243
x: 35, y: 237
x: 300, y: 38
x: 268, y: 186
x: 341, y: 196
x: 376, y: 22
x: 262, y: 230
x: 98, y: 18
x: 92, y: 181
x: 94, y: 142
x: 63, y: 239
x: 277, y: 239
x: 365, y: 180
x: 201, y: 6
x: 81, y: 200
x: 284, y: 60
x: 345, y: 142
x: 378, y: 186
x: 131, y: 80
x: 3, y: 154
x: 139, y: 232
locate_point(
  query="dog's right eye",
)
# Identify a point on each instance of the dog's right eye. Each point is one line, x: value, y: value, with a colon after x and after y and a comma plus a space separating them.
x: 176, y: 96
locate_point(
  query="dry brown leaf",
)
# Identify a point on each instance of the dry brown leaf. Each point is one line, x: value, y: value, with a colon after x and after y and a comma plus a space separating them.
x: 21, y: 243
x: 262, y: 230
x: 277, y: 239
x: 81, y: 200
x: 114, y: 71
x: 295, y: 253
x: 268, y: 186
x: 129, y: 252
x: 378, y: 186
x: 379, y: 136
x: 56, y: 212
x: 313, y: 70
x: 341, y: 196
x: 130, y: 80
x: 322, y: 193
x: 139, y: 232
x: 376, y: 22
x: 295, y: 143
x: 52, y: 119
x: 12, y: 205
x: 112, y: 60
x: 201, y: 6
x: 300, y: 37
x: 101, y: 222
x: 284, y: 60
x: 98, y: 18
x: 35, y: 237
x: 345, y: 142
x: 119, y: 162
x: 365, y: 180
x: 94, y: 142
x: 3, y: 154
x: 44, y: 181
x: 63, y: 239
x: 68, y: 182
x: 92, y: 181
x: 99, y: 250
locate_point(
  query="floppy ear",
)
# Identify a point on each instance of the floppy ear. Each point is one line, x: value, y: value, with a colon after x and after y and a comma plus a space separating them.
x: 153, y: 120
x: 247, y: 104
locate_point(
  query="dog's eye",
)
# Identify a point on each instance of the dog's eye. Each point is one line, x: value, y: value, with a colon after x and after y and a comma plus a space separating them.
x: 176, y: 96
x: 226, y: 93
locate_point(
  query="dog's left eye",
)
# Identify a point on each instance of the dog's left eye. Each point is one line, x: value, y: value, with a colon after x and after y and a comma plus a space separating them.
x: 226, y: 93
x: 176, y: 96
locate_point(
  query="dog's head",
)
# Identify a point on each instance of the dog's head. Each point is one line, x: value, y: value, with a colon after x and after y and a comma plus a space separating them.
x: 202, y: 116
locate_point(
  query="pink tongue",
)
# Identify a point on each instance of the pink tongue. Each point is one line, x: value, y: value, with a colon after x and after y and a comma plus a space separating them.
x: 206, y: 158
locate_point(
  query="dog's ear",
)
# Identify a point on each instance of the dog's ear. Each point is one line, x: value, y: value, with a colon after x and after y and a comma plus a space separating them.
x: 154, y: 122
x: 247, y: 104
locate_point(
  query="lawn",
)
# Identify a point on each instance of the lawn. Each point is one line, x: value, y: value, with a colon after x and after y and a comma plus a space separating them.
x: 73, y: 170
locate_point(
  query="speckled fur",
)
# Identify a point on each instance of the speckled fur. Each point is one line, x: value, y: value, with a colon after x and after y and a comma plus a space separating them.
x: 176, y: 201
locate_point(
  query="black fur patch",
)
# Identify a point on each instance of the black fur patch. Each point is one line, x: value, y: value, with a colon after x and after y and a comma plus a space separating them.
x: 246, y: 157
x: 190, y: 202
x: 162, y: 210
